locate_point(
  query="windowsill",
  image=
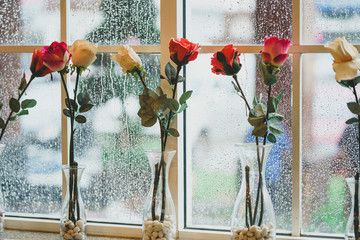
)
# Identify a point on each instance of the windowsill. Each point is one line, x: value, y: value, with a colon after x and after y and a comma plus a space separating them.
x: 26, y: 235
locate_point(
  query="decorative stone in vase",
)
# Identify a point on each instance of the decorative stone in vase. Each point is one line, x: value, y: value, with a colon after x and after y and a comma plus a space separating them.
x: 159, y: 213
x: 73, y: 216
x: 253, y: 216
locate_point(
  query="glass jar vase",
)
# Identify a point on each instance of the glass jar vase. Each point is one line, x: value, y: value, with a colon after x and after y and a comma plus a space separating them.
x: 253, y: 216
x: 73, y: 216
x: 159, y: 221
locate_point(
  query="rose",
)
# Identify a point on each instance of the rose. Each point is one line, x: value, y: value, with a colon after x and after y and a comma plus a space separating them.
x: 37, y: 67
x: 346, y: 62
x: 182, y: 51
x: 56, y: 56
x: 275, y: 51
x: 127, y: 58
x: 83, y: 53
x: 226, y: 62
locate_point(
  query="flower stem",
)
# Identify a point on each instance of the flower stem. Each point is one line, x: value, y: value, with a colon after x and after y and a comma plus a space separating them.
x: 11, y: 112
x: 241, y: 91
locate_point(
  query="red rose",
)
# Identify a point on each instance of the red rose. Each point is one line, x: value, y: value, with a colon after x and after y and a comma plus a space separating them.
x: 275, y: 51
x: 37, y: 67
x: 182, y: 51
x: 226, y: 62
x: 56, y: 56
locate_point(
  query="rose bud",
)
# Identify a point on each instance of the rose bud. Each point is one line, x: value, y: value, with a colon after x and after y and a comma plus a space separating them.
x: 37, y: 67
x: 56, y: 56
x: 83, y: 53
x: 127, y: 58
x: 182, y: 51
x: 275, y: 51
x: 226, y: 62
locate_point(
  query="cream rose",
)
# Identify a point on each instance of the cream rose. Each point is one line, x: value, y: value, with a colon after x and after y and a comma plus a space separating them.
x: 127, y: 58
x: 83, y: 53
x: 346, y: 63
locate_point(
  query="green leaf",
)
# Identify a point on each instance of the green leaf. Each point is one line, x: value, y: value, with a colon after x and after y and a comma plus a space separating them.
x: 269, y: 78
x: 83, y: 98
x: 1, y: 105
x: 271, y: 137
x: 159, y: 91
x: 73, y: 104
x: 162, y: 77
x: 170, y: 72
x: 80, y: 119
x: 22, y: 83
x: 172, y: 104
x: 23, y: 112
x: 275, y: 129
x: 67, y: 112
x: 256, y: 121
x: 260, y: 131
x: 279, y: 97
x: 148, y: 122
x: 28, y: 103
x: 2, y: 123
x: 156, y: 105
x: 86, y: 107
x: 275, y: 118
x: 182, y: 107
x: 185, y: 96
x: 255, y: 101
x: 14, y: 105
x: 12, y: 118
x: 260, y: 110
x: 354, y: 107
x: 352, y: 120
x: 181, y: 79
x: 272, y: 105
x: 174, y: 132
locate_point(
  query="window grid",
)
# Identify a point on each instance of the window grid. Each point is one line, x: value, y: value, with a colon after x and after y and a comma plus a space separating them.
x: 169, y: 23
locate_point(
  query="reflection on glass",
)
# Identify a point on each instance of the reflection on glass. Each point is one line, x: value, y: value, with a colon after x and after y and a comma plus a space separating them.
x: 30, y: 175
x: 118, y: 22
x: 111, y: 143
x: 22, y: 22
x: 324, y: 21
x: 238, y: 22
x: 216, y: 120
x: 328, y: 147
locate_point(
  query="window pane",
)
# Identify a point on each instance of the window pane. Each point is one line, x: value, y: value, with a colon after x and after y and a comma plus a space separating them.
x: 216, y: 120
x: 326, y: 144
x: 111, y: 143
x: 30, y: 173
x: 237, y: 22
x: 22, y: 22
x: 117, y: 22
x: 326, y: 20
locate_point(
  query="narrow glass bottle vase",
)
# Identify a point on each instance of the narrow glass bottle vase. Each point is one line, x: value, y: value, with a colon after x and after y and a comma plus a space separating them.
x: 73, y: 216
x: 159, y: 214
x: 253, y: 216
x: 349, y: 231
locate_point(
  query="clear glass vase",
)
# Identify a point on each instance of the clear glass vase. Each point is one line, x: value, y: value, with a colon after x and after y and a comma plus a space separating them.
x: 349, y: 231
x: 73, y: 216
x: 253, y: 216
x: 2, y: 200
x: 159, y: 221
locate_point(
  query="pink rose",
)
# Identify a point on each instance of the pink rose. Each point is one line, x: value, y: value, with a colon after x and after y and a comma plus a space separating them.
x: 56, y: 56
x: 37, y: 65
x: 275, y: 51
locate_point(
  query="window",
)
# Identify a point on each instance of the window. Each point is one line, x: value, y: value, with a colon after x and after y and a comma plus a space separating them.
x: 305, y: 179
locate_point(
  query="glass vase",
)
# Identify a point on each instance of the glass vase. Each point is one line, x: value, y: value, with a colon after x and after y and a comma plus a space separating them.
x: 73, y: 216
x: 159, y: 220
x: 2, y: 200
x: 253, y: 216
x: 349, y: 231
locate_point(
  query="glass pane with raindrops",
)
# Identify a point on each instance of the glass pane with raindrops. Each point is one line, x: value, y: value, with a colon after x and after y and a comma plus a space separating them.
x: 216, y: 121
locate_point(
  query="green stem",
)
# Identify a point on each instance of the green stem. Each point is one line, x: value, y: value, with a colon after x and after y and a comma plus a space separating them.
x: 248, y: 196
x: 11, y: 113
x: 241, y: 91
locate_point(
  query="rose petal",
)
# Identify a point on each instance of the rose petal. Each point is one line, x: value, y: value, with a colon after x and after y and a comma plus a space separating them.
x: 346, y: 70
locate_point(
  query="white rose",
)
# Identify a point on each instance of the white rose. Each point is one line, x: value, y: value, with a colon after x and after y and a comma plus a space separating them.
x: 346, y: 62
x: 83, y: 53
x: 127, y: 58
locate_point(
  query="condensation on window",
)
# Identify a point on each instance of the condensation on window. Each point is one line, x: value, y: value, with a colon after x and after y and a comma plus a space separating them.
x: 29, y: 22
x: 238, y: 22
x: 326, y: 20
x: 30, y: 165
x: 120, y: 22
x: 330, y: 148
x: 216, y: 121
x: 112, y: 142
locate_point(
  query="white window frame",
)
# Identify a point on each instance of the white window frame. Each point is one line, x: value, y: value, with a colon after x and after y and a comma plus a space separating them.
x: 171, y: 26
